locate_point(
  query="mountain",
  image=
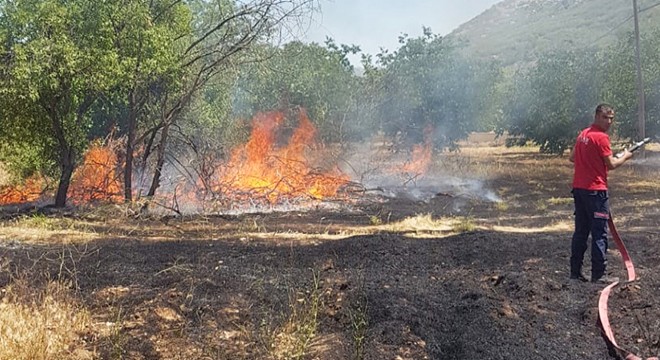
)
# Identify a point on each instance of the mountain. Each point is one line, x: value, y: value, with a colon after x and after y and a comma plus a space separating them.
x: 518, y: 30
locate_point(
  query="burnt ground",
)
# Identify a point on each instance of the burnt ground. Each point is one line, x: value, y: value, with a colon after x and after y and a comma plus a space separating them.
x: 481, y: 279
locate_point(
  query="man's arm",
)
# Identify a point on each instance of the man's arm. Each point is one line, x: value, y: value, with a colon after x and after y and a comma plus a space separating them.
x: 612, y: 162
x: 571, y: 155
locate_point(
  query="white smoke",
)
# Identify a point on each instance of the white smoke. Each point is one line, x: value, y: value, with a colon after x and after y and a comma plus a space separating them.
x: 381, y: 172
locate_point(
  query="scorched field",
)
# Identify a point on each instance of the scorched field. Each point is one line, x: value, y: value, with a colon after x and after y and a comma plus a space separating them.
x: 467, y: 261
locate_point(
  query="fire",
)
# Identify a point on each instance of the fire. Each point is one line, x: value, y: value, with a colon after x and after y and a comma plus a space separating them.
x: 30, y: 191
x: 96, y: 179
x: 262, y: 168
x: 420, y: 159
x: 421, y: 155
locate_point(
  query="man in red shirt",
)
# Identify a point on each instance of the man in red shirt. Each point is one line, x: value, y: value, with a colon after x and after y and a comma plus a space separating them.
x: 592, y: 156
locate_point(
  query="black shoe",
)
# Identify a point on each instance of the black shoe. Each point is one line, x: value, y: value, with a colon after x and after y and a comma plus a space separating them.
x: 579, y: 277
x: 605, y: 279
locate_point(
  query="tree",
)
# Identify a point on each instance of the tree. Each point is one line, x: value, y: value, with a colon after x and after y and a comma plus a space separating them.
x: 56, y: 60
x: 222, y: 34
x: 427, y: 84
x: 620, y: 83
x: 317, y: 78
x: 554, y: 99
x: 148, y: 38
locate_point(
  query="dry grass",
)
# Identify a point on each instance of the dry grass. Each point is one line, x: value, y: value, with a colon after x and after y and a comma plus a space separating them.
x: 40, y: 324
x: 294, y: 338
x: 40, y: 228
x: 48, y: 321
x: 645, y: 186
x: 419, y: 223
x: 560, y: 201
x: 559, y: 226
x: 4, y: 176
x: 502, y: 206
x: 499, y: 162
x: 425, y: 225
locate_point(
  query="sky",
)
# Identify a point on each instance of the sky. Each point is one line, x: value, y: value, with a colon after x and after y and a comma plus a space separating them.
x: 373, y: 24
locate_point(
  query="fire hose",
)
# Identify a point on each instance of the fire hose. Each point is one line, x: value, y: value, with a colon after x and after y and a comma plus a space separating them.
x: 604, y: 321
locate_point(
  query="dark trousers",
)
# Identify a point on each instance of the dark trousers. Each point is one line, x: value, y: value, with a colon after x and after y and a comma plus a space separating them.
x: 592, y: 210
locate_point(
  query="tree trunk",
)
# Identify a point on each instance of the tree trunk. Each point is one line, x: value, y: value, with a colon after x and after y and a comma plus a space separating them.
x: 67, y: 166
x: 67, y: 153
x: 160, y: 160
x: 132, y: 127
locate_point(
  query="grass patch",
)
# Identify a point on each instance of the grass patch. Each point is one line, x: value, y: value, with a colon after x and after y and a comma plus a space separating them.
x: 541, y: 205
x: 39, y: 221
x: 502, y: 206
x: 38, y: 324
x: 293, y: 339
x: 54, y: 230
x: 5, y: 178
x: 375, y: 220
x: 560, y: 201
x: 252, y: 225
x: 418, y: 223
x: 358, y: 313
x: 464, y: 224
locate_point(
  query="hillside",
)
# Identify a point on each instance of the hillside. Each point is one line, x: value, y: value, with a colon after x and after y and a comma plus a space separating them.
x: 516, y: 30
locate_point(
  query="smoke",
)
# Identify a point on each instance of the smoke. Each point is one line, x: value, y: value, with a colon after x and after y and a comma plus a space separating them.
x: 430, y: 186
x: 650, y: 161
x: 380, y: 169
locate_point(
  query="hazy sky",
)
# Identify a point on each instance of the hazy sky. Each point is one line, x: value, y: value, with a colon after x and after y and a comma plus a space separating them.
x: 373, y: 24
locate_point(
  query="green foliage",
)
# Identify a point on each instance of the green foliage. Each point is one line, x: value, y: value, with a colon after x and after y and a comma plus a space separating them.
x: 148, y: 42
x: 56, y: 61
x: 621, y: 83
x: 553, y: 92
x: 209, y: 127
x: 23, y: 160
x: 25, y: 147
x: 426, y: 89
x: 62, y: 56
x: 318, y: 78
x: 74, y: 70
x: 551, y: 101
x: 548, y: 102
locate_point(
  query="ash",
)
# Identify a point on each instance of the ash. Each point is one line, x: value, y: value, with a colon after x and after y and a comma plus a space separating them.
x: 425, y: 189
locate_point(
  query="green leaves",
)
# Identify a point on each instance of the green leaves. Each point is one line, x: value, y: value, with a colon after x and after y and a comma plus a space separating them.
x: 427, y: 84
x: 551, y: 101
x: 61, y: 56
x: 621, y: 83
x: 308, y: 75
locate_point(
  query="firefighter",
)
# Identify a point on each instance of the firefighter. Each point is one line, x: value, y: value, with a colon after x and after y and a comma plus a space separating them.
x: 592, y: 158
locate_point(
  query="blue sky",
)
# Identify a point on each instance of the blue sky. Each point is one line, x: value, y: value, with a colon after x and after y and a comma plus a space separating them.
x: 373, y: 24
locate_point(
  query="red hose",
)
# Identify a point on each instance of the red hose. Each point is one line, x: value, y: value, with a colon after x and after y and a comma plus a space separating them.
x: 605, y: 294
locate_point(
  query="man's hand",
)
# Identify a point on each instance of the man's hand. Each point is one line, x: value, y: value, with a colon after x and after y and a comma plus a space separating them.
x: 613, y: 162
x: 627, y: 154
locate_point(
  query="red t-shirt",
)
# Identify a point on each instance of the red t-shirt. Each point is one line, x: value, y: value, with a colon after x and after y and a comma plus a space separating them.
x: 591, y: 146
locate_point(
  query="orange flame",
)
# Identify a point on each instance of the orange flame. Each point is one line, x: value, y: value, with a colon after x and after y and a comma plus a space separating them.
x: 30, y: 191
x: 95, y: 179
x: 260, y: 167
x: 421, y: 155
x: 258, y: 170
x: 420, y: 159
